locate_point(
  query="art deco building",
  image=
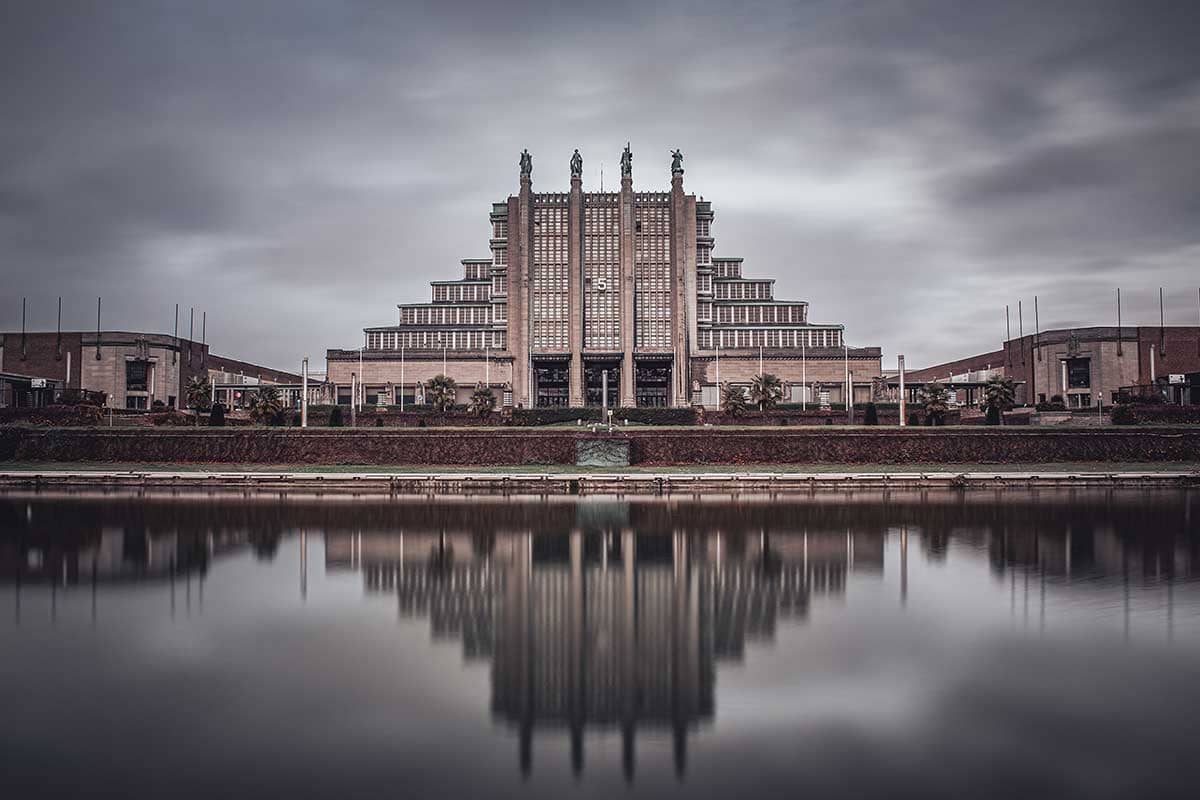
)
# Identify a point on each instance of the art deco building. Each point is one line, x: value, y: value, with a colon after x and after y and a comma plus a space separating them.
x: 586, y: 289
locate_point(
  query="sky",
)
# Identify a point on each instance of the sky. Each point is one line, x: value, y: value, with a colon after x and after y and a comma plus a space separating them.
x: 296, y: 169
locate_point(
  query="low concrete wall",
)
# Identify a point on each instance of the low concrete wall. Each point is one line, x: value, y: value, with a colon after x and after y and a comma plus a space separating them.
x: 466, y: 447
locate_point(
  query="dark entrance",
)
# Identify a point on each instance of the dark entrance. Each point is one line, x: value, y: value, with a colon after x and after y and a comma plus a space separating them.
x: 551, y: 384
x: 593, y: 382
x: 652, y: 383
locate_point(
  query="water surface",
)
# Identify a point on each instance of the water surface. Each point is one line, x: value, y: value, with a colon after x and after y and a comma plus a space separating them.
x: 934, y: 644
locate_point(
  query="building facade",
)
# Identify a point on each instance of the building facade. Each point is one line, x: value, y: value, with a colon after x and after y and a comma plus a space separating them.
x: 1086, y: 366
x: 592, y: 291
x: 131, y: 369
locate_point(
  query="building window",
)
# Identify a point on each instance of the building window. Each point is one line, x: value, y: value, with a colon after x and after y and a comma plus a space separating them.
x: 136, y: 401
x: 137, y: 377
x: 1079, y: 373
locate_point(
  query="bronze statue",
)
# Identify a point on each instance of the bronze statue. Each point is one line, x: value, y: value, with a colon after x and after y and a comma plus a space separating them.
x: 627, y: 162
x: 676, y: 161
x: 526, y: 164
x: 576, y: 164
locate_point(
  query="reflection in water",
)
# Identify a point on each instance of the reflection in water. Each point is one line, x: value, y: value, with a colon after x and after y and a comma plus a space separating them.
x: 614, y: 616
x: 605, y: 628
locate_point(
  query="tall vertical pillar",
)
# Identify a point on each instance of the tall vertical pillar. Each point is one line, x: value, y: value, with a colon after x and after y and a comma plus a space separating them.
x: 628, y: 322
x: 683, y: 271
x: 575, y: 290
x: 520, y: 223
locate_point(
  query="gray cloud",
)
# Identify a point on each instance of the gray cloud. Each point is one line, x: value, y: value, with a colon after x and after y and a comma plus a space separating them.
x: 298, y: 168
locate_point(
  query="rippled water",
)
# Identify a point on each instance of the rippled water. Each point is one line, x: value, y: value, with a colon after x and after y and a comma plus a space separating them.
x: 940, y: 644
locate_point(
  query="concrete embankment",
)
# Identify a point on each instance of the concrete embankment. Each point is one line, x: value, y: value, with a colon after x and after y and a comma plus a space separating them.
x: 645, y: 447
x: 550, y: 483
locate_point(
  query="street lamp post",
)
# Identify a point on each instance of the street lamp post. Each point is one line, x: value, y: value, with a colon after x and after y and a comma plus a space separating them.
x: 304, y: 395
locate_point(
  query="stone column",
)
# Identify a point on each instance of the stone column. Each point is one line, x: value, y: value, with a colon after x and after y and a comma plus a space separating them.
x: 683, y: 294
x: 520, y: 221
x: 575, y: 290
x: 628, y: 399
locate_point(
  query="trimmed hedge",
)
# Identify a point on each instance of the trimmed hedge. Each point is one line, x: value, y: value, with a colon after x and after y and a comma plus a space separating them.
x: 797, y: 446
x: 73, y: 415
x: 554, y: 416
x: 658, y: 416
x: 1155, y: 413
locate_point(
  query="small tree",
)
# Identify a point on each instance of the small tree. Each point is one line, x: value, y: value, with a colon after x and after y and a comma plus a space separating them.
x: 216, y: 415
x: 733, y: 400
x: 441, y: 392
x: 265, y: 405
x: 936, y: 401
x: 766, y: 390
x: 483, y: 401
x: 998, y: 395
x: 335, y: 417
x: 871, y: 415
x: 198, y: 393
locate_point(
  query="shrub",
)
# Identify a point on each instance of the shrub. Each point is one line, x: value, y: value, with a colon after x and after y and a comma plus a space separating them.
x: 935, y: 398
x: 216, y: 415
x: 871, y: 415
x: 992, y: 415
x: 335, y: 417
x: 483, y: 401
x: 265, y: 405
x: 441, y: 392
x: 1124, y: 415
x: 158, y: 405
x: 733, y: 400
x: 379, y: 422
x: 766, y: 390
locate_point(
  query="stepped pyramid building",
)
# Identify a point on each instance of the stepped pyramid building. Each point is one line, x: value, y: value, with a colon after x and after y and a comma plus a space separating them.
x: 591, y: 290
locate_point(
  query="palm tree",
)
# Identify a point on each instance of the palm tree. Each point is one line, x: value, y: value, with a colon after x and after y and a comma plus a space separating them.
x: 936, y: 400
x: 441, y: 392
x: 998, y: 394
x: 766, y: 390
x: 198, y: 393
x: 483, y: 401
x: 265, y: 404
x: 733, y: 400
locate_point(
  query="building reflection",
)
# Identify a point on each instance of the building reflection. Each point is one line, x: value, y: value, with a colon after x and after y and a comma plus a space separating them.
x: 605, y: 629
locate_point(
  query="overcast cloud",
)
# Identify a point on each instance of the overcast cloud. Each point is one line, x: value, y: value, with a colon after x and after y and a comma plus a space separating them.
x: 298, y: 168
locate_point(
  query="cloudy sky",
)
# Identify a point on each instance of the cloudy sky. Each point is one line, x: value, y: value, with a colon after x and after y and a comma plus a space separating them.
x: 297, y: 168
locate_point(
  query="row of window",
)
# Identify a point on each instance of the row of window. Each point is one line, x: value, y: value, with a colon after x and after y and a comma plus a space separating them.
x: 436, y: 340
x: 460, y: 293
x: 771, y: 314
x: 445, y: 315
x: 727, y: 269
x: 477, y: 271
x: 755, y: 290
x: 791, y: 338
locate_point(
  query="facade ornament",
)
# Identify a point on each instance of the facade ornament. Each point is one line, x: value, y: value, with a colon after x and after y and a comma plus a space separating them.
x: 576, y: 164
x: 676, y: 162
x: 526, y: 164
x: 627, y: 162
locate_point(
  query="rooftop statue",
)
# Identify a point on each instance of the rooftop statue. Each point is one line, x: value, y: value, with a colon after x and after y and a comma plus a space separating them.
x: 676, y: 161
x: 526, y: 164
x: 627, y: 162
x: 576, y: 164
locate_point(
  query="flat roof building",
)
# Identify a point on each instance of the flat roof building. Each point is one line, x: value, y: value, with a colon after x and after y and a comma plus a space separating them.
x: 131, y: 369
x: 584, y: 290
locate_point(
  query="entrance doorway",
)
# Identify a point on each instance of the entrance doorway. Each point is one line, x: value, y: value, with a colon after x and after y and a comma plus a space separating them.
x: 593, y: 377
x: 652, y: 384
x: 551, y: 384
